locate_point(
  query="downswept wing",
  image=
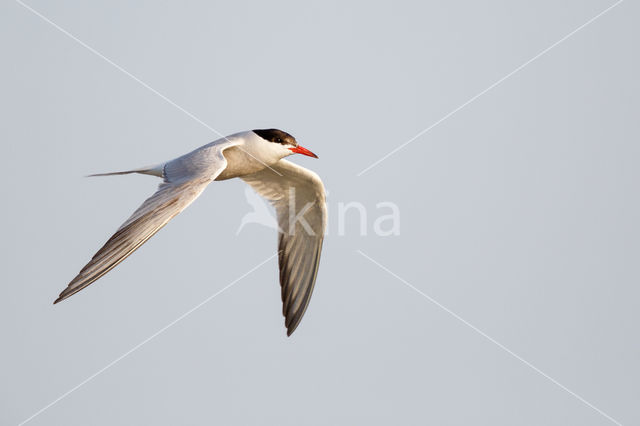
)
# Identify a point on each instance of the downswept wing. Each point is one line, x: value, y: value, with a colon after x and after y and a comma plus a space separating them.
x: 299, y: 199
x: 182, y: 185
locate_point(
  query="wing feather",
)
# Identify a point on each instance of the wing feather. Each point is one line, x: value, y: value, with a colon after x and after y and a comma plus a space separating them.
x: 185, y: 179
x: 149, y: 218
x: 299, y: 250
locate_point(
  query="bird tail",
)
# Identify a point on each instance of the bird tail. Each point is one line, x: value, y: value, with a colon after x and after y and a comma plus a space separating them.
x: 157, y: 170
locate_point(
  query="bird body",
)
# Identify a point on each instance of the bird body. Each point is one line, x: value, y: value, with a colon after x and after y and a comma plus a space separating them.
x: 257, y: 157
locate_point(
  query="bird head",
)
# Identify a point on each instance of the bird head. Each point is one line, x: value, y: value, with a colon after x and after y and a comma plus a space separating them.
x: 283, y: 142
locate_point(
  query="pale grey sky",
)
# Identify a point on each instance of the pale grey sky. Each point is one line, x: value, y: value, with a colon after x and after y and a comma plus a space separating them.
x: 519, y: 213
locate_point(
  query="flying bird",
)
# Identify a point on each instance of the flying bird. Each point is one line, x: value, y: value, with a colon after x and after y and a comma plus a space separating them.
x: 257, y: 157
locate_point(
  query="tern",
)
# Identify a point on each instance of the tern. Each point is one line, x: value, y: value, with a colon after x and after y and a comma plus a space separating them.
x: 257, y: 157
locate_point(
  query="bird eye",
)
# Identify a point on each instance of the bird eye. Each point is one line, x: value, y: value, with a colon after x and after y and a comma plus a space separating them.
x: 278, y: 140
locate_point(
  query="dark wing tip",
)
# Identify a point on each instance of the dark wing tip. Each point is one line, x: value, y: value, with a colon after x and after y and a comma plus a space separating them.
x: 64, y: 295
x: 295, y: 308
x: 293, y: 320
x: 291, y: 328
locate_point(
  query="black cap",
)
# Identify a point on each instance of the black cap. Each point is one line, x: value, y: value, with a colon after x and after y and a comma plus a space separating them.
x: 276, y: 136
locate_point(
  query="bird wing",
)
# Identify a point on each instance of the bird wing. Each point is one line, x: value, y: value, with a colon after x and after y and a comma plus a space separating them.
x: 299, y: 198
x: 180, y: 188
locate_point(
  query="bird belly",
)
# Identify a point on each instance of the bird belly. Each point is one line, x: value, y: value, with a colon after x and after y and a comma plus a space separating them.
x: 239, y: 163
